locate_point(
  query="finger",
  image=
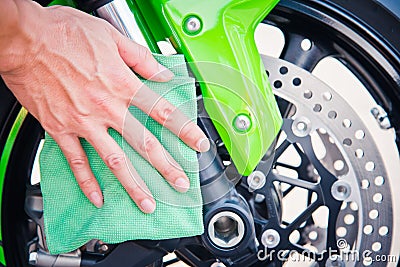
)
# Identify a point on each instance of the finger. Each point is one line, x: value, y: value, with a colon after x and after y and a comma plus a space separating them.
x: 148, y: 146
x: 115, y: 159
x: 77, y: 159
x: 170, y: 117
x: 141, y: 60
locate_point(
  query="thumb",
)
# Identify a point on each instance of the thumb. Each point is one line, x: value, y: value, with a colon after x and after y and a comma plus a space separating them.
x: 141, y: 60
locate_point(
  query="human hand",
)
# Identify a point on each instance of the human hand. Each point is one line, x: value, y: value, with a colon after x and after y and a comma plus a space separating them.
x: 72, y: 74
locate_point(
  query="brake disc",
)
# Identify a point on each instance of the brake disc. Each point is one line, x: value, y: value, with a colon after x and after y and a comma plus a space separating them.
x: 367, y: 219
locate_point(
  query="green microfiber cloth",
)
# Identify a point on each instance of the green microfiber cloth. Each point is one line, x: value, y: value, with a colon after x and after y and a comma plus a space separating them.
x: 70, y: 220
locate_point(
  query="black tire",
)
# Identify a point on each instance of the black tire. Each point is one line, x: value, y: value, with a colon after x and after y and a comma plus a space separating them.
x: 371, y: 20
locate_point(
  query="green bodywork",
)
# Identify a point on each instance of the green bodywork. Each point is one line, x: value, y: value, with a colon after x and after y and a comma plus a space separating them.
x: 224, y: 59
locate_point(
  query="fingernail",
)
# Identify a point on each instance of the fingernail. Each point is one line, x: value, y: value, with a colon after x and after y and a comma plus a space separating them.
x: 182, y: 185
x: 203, y: 145
x: 96, y: 199
x: 147, y: 205
x: 164, y: 73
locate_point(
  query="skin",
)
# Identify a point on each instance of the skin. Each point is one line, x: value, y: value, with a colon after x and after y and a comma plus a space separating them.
x: 73, y: 73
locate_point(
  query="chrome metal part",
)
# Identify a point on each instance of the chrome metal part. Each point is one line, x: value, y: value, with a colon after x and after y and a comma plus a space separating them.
x: 33, y: 257
x: 341, y: 190
x: 226, y: 229
x: 256, y: 180
x: 43, y: 259
x: 259, y: 198
x: 103, y: 248
x: 270, y: 238
x: 118, y: 14
x: 301, y: 126
x: 242, y: 123
x: 193, y: 24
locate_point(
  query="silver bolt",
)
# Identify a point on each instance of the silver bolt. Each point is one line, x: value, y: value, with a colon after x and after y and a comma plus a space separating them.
x: 256, y: 180
x: 193, y: 24
x: 103, y: 248
x: 340, y: 190
x: 33, y: 258
x: 301, y: 126
x: 259, y: 198
x: 270, y: 238
x: 242, y: 123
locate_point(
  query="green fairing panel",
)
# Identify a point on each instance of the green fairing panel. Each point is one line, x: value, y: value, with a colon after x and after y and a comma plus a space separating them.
x: 226, y: 62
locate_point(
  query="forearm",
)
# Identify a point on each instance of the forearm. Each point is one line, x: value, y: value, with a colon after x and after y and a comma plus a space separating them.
x: 16, y: 39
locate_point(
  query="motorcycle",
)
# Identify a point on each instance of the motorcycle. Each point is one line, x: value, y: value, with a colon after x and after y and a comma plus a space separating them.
x: 302, y: 139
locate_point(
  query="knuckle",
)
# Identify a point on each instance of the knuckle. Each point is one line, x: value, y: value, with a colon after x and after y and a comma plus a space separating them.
x: 144, y: 53
x: 85, y: 183
x: 168, y: 171
x: 115, y: 161
x: 78, y: 163
x: 101, y: 101
x: 149, y: 143
x: 81, y: 119
x: 164, y: 111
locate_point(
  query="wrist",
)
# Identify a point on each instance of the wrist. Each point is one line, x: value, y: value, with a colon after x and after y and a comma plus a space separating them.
x: 18, y: 38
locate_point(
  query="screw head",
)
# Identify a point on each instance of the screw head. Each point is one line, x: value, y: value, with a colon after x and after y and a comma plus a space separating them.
x: 242, y: 123
x: 301, y: 126
x: 103, y: 248
x: 192, y: 24
x: 256, y: 180
x: 270, y: 238
x: 340, y: 190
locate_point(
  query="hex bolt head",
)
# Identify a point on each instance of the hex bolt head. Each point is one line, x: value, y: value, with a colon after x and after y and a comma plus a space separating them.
x: 242, y: 123
x: 301, y: 126
x: 270, y: 238
x: 256, y: 180
x: 103, y: 248
x: 340, y: 190
x: 192, y: 24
